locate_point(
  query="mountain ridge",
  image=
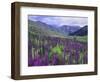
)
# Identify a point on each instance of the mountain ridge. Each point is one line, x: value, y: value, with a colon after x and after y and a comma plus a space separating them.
x: 46, y: 29
x: 81, y: 32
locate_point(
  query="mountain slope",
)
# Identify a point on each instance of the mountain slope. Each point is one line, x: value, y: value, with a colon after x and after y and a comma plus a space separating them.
x: 81, y: 32
x: 66, y: 29
x: 40, y: 28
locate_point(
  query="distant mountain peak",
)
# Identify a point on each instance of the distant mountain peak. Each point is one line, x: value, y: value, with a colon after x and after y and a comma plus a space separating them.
x: 81, y: 32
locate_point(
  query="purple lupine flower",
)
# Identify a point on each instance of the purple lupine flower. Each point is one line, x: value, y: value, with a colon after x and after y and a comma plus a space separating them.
x: 85, y: 58
x: 55, y: 59
x: 70, y: 60
x: 77, y: 56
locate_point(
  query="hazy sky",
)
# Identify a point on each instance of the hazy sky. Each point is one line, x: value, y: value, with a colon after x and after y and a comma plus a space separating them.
x: 60, y: 20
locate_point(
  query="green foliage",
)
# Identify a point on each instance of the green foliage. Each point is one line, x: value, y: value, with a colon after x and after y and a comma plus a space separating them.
x: 78, y: 38
x: 58, y: 49
x: 81, y: 58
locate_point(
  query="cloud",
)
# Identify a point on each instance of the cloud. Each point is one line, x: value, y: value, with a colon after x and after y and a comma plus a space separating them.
x: 60, y: 20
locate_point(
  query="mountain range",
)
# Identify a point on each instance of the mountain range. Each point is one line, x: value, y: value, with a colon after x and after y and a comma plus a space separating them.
x: 42, y: 28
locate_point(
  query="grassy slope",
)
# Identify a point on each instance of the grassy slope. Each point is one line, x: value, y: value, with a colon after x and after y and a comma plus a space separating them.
x: 79, y: 38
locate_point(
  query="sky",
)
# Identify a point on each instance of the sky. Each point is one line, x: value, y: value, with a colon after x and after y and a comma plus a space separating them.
x: 60, y: 20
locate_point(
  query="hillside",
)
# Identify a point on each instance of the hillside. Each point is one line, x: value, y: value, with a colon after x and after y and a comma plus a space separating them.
x: 81, y: 32
x: 41, y: 28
